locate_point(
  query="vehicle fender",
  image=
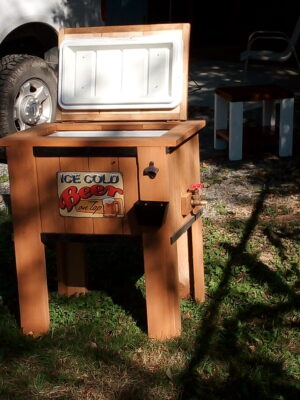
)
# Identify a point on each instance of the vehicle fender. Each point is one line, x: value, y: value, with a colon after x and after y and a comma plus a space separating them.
x: 17, y: 13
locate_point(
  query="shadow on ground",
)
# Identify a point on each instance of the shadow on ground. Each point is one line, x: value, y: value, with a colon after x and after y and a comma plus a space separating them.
x: 250, y: 374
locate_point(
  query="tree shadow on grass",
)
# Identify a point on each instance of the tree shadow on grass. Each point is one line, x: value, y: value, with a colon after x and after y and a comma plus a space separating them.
x: 226, y: 363
x: 68, y: 365
x: 116, y: 267
x: 276, y: 237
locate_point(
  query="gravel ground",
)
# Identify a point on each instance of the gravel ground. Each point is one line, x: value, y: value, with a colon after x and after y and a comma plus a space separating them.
x: 234, y: 190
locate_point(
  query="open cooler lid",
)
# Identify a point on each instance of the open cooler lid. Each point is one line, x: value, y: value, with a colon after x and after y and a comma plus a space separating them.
x: 123, y: 73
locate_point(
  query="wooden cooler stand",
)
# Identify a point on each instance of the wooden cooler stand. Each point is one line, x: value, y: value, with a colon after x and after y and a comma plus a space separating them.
x: 154, y: 198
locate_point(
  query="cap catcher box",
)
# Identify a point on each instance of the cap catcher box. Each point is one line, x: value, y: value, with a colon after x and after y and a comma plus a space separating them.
x: 121, y: 160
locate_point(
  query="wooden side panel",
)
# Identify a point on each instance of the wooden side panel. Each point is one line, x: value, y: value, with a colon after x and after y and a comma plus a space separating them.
x: 156, y: 189
x: 71, y: 269
x: 29, y: 250
x: 76, y: 225
x: 103, y: 30
x: 107, y: 225
x: 128, y: 166
x: 53, y: 222
x: 134, y: 115
x: 184, y: 170
x: 113, y: 125
x: 47, y: 167
x: 184, y: 104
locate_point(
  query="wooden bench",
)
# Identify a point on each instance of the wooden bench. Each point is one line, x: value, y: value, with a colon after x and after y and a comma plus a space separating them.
x: 228, y: 123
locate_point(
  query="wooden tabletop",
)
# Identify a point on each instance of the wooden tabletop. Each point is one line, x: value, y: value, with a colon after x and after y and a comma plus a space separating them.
x: 40, y: 135
x: 254, y: 93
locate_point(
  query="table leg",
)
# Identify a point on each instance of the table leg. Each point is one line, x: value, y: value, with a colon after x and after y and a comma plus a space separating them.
x: 221, y: 121
x: 269, y: 113
x: 286, y: 127
x: 161, y: 277
x: 235, y: 131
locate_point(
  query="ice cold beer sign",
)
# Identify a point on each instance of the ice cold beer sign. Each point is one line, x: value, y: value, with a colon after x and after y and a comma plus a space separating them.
x: 90, y: 194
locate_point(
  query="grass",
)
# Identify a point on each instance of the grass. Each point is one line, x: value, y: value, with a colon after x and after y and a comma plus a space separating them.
x: 4, y: 178
x: 242, y: 343
x: 221, y: 209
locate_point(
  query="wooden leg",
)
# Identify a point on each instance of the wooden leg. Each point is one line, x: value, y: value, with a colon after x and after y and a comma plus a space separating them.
x: 196, y: 245
x: 235, y: 131
x: 32, y: 284
x: 269, y: 113
x: 161, y: 276
x: 286, y: 127
x: 190, y: 263
x: 221, y: 121
x: 71, y: 269
x: 183, y: 266
x: 29, y: 250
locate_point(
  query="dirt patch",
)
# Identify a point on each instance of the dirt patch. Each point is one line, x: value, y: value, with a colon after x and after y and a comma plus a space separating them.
x: 233, y: 189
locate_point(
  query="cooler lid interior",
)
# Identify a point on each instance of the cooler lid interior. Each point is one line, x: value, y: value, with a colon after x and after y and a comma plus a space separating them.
x: 121, y: 73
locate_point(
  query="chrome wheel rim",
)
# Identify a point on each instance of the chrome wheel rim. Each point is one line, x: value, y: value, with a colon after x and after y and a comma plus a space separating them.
x: 33, y: 105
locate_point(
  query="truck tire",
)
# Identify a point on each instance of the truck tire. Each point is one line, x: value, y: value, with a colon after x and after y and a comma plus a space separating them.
x: 28, y: 92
